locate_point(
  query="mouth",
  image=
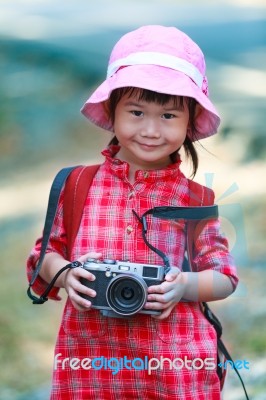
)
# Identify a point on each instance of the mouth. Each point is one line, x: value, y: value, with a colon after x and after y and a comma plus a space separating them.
x: 148, y: 146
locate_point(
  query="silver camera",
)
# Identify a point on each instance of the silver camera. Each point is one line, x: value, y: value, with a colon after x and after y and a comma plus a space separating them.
x: 121, y: 286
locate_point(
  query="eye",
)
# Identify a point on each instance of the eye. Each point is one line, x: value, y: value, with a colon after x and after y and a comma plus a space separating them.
x: 137, y: 113
x: 168, y: 116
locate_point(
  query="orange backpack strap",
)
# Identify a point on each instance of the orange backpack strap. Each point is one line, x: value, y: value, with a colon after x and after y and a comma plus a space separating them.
x: 75, y: 194
x: 198, y: 196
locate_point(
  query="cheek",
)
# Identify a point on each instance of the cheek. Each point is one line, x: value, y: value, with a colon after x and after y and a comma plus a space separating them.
x: 123, y: 128
x: 183, y: 128
x: 179, y: 130
x: 122, y: 132
x: 178, y: 133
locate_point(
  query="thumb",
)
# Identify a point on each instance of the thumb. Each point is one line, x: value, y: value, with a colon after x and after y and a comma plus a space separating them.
x: 172, y: 274
x: 91, y: 254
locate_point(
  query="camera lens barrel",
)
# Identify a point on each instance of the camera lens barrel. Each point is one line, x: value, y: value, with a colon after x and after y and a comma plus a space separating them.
x: 126, y: 294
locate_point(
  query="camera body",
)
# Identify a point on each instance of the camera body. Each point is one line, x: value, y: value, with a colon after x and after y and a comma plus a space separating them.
x: 121, y: 286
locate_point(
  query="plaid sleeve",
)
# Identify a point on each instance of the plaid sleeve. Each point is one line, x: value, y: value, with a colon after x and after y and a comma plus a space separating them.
x: 57, y: 244
x: 211, y: 251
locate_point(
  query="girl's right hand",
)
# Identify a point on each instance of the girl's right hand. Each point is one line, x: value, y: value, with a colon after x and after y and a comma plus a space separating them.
x: 73, y: 286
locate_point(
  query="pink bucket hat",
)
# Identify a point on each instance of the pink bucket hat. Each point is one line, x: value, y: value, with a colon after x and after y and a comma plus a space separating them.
x: 161, y: 59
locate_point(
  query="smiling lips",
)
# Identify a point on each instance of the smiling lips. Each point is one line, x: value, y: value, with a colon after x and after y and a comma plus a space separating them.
x: 148, y: 146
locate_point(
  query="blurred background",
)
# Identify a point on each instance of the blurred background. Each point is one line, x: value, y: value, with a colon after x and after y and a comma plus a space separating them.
x: 52, y: 55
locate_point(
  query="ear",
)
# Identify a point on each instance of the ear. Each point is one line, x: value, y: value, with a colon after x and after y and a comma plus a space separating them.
x: 106, y: 108
x: 198, y: 110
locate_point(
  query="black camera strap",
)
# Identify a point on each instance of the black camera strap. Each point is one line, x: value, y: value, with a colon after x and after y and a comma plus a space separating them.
x: 174, y: 213
x: 187, y: 213
x: 54, y: 196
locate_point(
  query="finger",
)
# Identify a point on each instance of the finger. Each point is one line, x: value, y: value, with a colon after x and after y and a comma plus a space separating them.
x: 162, y: 288
x: 165, y: 314
x: 83, y: 273
x: 79, y: 302
x: 80, y: 288
x: 74, y: 282
x: 156, y: 305
x: 162, y: 298
x: 174, y: 294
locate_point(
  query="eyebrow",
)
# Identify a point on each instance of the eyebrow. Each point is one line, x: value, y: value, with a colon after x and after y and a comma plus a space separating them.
x: 133, y: 104
x: 172, y: 109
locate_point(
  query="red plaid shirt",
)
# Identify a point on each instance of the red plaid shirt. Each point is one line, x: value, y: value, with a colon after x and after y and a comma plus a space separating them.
x: 125, y: 347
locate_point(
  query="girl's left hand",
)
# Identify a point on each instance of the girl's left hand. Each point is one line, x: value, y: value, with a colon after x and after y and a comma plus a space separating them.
x: 166, y: 295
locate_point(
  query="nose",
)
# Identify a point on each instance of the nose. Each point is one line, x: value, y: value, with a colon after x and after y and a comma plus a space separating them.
x: 150, y: 128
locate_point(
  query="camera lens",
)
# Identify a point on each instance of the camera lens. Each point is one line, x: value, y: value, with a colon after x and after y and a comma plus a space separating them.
x: 126, y: 294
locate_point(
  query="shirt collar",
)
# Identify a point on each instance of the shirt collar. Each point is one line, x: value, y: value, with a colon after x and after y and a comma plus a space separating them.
x: 121, y: 168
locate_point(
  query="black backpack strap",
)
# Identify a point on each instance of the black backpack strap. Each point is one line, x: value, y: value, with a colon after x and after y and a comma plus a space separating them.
x: 221, y: 346
x: 54, y: 196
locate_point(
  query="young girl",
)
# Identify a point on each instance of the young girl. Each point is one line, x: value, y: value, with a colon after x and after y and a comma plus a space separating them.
x: 154, y: 101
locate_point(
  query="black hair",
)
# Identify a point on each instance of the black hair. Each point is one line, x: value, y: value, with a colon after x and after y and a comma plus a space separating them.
x: 162, y: 99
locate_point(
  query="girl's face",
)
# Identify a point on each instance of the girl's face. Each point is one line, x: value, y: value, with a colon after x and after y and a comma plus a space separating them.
x: 149, y: 132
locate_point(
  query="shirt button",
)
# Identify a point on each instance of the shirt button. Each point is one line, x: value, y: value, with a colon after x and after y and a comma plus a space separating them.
x: 131, y: 194
x: 129, y: 229
x: 146, y: 174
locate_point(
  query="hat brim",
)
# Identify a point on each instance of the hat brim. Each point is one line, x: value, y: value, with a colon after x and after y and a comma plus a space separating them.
x: 158, y: 79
